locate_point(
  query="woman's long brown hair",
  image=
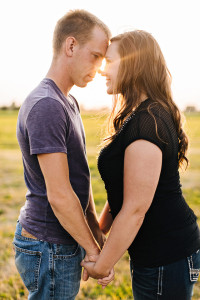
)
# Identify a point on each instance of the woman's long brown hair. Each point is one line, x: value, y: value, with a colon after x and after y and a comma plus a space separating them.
x: 143, y: 70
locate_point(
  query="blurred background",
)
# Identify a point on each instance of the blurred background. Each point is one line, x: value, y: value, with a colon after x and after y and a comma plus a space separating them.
x: 26, y: 29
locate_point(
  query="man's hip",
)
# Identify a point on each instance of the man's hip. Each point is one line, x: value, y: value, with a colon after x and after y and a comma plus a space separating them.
x: 49, y: 271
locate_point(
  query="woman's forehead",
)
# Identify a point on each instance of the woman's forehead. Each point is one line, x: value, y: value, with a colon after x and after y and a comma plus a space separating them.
x: 112, y: 50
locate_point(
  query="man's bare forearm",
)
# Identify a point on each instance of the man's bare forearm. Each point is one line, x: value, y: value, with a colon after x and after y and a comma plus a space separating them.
x: 69, y: 212
x: 64, y: 201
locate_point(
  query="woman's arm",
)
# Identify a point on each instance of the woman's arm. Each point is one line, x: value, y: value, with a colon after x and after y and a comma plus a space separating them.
x: 142, y: 167
x: 105, y: 220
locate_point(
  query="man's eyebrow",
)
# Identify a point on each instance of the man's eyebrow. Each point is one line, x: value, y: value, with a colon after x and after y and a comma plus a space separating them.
x: 98, y: 53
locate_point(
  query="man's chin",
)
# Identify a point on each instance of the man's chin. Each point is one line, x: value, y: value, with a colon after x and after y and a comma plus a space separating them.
x: 81, y: 84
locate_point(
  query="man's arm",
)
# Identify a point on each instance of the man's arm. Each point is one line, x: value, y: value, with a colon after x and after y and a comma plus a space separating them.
x: 64, y: 202
x: 92, y: 220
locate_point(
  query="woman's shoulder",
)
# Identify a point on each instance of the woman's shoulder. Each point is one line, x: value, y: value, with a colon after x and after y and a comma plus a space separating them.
x: 152, y: 106
x: 151, y: 122
x: 151, y: 112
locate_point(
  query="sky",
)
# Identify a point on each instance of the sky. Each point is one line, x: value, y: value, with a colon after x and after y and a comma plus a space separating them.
x: 26, y: 30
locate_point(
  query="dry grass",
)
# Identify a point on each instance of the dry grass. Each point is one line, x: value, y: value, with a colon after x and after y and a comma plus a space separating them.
x: 12, y: 195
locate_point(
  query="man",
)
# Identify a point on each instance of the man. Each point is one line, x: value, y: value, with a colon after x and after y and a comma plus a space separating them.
x: 52, y: 229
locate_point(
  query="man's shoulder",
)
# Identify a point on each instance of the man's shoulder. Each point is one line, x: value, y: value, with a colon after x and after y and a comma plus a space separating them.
x: 40, y: 98
x: 43, y: 91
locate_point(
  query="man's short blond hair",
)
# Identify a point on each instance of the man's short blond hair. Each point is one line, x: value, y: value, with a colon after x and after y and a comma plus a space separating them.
x: 79, y: 24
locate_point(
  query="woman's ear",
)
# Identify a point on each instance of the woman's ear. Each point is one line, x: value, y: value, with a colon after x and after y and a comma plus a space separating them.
x: 70, y: 45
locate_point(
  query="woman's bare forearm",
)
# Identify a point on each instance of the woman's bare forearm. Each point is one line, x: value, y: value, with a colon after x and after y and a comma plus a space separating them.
x: 124, y: 230
x: 92, y: 220
x: 105, y: 220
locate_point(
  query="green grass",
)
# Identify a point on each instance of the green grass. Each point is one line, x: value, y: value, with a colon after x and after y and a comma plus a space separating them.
x: 12, y: 195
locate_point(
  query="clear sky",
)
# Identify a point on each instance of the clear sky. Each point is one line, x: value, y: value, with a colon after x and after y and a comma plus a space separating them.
x: 26, y: 29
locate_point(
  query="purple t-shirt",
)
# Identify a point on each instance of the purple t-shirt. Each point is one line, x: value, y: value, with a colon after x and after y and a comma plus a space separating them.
x: 49, y: 123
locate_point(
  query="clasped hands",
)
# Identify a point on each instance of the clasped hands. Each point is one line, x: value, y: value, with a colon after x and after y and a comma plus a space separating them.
x: 89, y: 264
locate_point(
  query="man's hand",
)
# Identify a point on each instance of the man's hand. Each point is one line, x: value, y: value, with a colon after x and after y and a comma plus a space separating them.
x: 101, y: 239
x: 104, y: 279
x: 88, y: 258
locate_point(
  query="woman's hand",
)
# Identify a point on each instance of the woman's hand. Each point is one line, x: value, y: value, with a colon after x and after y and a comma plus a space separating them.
x: 106, y: 280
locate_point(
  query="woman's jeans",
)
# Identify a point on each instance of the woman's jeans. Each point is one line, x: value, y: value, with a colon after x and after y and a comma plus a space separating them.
x: 49, y: 271
x: 170, y: 282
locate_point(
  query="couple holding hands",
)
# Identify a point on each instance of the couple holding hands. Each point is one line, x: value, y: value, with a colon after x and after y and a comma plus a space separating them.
x: 58, y: 231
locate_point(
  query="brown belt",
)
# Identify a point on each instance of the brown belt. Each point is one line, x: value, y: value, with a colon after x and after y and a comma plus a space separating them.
x: 27, y: 234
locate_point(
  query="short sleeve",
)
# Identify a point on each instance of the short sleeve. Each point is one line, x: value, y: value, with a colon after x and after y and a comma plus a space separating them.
x: 149, y: 127
x: 46, y: 127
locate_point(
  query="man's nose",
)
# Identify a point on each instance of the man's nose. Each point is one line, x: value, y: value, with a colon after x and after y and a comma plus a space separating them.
x: 101, y: 65
x: 101, y: 72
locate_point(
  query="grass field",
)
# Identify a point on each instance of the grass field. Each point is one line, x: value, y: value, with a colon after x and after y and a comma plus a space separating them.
x: 12, y: 195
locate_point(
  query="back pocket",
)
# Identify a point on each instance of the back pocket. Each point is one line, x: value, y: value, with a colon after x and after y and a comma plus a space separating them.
x: 194, y: 266
x: 28, y: 266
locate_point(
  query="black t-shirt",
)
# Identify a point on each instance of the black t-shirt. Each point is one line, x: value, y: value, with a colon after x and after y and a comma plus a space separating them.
x: 169, y: 231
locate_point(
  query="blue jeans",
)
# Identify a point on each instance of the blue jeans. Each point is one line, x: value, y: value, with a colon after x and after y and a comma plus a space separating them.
x: 174, y: 281
x: 49, y: 271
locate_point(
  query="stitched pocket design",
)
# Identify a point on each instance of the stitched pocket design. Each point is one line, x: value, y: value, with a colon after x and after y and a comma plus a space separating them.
x: 193, y: 267
x: 28, y: 266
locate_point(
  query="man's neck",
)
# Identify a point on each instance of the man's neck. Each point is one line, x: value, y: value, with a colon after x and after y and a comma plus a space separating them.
x: 60, y: 76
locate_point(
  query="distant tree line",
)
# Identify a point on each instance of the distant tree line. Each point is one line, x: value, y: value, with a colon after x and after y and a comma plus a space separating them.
x: 190, y: 108
x: 13, y: 106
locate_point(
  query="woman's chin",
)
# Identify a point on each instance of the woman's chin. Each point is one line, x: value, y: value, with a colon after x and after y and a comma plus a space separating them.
x: 109, y: 91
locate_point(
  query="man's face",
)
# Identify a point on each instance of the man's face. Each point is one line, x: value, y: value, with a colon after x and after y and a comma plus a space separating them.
x: 87, y: 58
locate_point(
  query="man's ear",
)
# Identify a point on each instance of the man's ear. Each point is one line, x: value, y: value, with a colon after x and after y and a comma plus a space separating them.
x: 70, y: 45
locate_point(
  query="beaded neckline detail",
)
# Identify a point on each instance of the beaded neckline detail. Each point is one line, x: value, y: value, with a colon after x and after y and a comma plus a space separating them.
x: 124, y: 124
x: 121, y: 129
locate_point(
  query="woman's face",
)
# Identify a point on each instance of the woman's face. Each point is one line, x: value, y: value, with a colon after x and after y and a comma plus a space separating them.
x: 112, y: 66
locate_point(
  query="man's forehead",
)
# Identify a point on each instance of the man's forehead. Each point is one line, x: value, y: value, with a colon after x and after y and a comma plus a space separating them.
x: 99, y: 32
x: 99, y: 35
x: 98, y: 46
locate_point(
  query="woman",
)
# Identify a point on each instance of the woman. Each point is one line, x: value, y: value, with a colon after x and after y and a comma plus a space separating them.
x: 139, y: 166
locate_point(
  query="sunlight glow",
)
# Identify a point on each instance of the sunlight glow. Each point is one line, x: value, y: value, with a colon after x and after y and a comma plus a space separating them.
x: 103, y: 65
